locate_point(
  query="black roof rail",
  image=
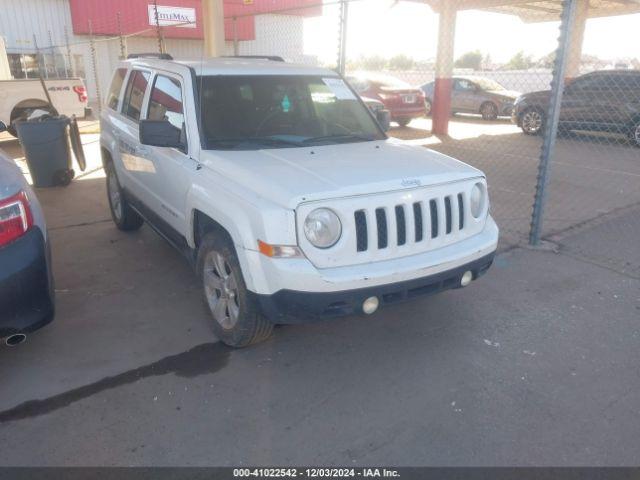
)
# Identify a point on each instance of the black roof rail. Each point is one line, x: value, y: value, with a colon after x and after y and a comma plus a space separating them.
x: 160, y: 56
x: 273, y: 58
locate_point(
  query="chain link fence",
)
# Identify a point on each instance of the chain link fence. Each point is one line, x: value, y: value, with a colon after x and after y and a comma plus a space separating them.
x: 500, y: 116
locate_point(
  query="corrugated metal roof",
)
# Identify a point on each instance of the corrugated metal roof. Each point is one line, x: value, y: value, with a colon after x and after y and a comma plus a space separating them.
x: 532, y: 11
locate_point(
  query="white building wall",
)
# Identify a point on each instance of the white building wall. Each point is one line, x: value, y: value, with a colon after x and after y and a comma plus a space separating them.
x: 20, y: 20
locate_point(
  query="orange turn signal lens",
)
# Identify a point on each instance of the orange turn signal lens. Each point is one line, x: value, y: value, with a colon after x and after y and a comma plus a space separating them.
x: 278, y: 251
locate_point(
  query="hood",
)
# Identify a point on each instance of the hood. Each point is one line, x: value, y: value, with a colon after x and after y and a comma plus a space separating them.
x: 506, y: 94
x: 539, y: 95
x: 290, y: 176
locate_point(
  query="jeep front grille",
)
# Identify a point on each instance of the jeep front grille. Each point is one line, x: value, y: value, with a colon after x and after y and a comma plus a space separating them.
x: 445, y: 216
x: 388, y: 225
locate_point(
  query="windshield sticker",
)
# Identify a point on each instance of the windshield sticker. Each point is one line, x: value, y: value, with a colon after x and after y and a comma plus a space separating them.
x: 286, y: 104
x: 339, y: 88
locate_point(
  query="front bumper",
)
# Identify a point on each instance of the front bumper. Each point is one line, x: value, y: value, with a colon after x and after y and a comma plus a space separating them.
x: 26, y: 286
x: 290, y: 306
x: 286, y: 288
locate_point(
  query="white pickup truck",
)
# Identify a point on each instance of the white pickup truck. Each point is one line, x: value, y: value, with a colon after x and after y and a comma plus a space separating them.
x: 20, y: 98
x: 280, y: 187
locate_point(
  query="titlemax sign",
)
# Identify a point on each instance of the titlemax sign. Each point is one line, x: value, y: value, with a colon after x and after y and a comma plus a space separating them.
x: 173, y: 16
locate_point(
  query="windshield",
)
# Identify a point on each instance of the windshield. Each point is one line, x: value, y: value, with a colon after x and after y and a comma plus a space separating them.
x: 252, y: 112
x: 487, y: 84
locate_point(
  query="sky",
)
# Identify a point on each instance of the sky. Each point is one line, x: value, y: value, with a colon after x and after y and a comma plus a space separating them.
x: 387, y: 28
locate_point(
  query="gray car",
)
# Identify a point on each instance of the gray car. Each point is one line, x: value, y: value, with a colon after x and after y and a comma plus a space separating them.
x: 471, y: 94
x: 26, y: 281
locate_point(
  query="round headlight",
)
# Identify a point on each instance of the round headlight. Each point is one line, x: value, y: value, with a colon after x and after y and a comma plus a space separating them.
x: 477, y: 199
x: 322, y: 228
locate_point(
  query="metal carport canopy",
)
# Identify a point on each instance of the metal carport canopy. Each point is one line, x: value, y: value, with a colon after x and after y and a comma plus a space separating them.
x: 532, y: 11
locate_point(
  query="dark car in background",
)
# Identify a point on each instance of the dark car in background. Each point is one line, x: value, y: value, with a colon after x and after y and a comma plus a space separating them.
x: 26, y: 281
x: 403, y: 101
x: 480, y: 95
x: 601, y: 101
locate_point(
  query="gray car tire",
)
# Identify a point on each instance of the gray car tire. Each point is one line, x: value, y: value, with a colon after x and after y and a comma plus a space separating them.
x: 489, y: 111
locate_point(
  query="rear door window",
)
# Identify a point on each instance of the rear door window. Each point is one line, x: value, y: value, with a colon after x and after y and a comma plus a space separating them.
x: 134, y: 95
x: 116, y: 87
x: 165, y: 102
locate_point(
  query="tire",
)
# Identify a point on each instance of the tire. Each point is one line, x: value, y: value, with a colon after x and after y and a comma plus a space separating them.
x: 403, y: 122
x: 489, y: 111
x: 125, y: 217
x: 236, y: 319
x: 532, y: 121
x: 23, y: 114
x: 634, y: 134
x: 428, y: 106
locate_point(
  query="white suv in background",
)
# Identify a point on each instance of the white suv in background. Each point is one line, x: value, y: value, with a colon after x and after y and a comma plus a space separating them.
x: 280, y: 187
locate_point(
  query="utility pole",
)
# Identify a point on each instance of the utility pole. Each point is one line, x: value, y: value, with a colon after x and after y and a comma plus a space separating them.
x: 213, y: 27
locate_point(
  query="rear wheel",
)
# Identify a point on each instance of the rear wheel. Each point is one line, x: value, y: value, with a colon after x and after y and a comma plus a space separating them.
x: 237, y: 321
x: 403, y: 122
x: 125, y: 218
x: 489, y: 111
x: 428, y: 106
x: 20, y: 114
x: 532, y: 121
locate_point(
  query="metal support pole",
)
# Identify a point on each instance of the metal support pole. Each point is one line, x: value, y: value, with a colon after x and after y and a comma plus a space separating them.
x: 553, y: 116
x: 94, y: 63
x: 342, y: 41
x: 71, y: 72
x: 158, y: 28
x: 123, y: 45
x: 236, y: 49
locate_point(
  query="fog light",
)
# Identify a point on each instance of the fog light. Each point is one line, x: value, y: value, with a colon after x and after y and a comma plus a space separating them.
x: 466, y: 278
x: 370, y: 305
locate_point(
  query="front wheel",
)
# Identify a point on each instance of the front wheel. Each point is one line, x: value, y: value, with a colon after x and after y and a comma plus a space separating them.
x: 403, y: 122
x: 237, y: 321
x: 489, y: 111
x: 532, y: 121
x: 427, y: 107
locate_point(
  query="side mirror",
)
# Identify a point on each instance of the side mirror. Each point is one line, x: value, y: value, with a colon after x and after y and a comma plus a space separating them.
x: 3, y: 126
x: 384, y: 119
x: 161, y: 133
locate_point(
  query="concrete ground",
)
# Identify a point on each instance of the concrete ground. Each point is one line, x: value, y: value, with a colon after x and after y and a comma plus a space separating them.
x: 534, y: 364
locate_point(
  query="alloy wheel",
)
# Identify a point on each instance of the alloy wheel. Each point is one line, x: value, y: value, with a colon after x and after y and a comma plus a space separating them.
x: 532, y: 121
x: 221, y: 290
x: 114, y: 195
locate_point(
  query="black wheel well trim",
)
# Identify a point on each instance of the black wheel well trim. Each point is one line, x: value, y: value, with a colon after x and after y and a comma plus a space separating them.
x: 105, y: 156
x: 27, y: 103
x: 204, y: 224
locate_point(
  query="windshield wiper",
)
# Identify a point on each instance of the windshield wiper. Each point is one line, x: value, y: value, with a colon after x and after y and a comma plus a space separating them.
x: 339, y: 137
x: 238, y: 141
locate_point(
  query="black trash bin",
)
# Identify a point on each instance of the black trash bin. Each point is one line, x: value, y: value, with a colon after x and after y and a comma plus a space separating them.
x: 46, y: 148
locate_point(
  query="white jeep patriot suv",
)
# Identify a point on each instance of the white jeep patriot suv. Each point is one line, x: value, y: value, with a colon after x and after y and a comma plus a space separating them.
x: 280, y: 187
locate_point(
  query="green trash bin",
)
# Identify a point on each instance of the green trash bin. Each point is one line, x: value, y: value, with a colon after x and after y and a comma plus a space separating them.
x: 46, y: 148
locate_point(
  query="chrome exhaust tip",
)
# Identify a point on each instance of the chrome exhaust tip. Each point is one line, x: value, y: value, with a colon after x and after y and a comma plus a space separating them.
x: 16, y: 339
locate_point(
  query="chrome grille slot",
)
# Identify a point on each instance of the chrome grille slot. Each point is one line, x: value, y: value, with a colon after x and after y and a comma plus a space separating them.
x: 447, y: 212
x: 460, y: 211
x: 401, y: 225
x: 381, y: 221
x: 417, y: 218
x: 362, y: 241
x: 433, y: 208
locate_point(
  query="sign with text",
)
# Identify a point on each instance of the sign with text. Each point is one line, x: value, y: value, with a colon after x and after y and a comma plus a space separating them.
x: 172, y: 16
